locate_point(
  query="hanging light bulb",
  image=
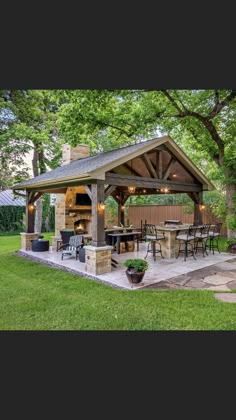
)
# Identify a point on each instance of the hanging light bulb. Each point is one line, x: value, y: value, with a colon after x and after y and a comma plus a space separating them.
x: 131, y: 189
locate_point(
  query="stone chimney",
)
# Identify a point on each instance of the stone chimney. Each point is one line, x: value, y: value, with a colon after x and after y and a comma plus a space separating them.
x: 73, y: 153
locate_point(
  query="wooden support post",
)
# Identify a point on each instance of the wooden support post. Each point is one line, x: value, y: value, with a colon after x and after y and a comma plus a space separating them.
x: 197, y: 214
x: 197, y: 199
x: 98, y: 215
x: 30, y: 213
x: 159, y: 164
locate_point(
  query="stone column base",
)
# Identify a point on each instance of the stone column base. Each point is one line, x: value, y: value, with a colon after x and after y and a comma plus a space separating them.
x: 26, y: 239
x: 98, y: 259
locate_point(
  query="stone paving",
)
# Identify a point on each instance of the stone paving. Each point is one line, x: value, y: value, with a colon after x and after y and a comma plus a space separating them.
x: 214, y: 272
x: 219, y: 277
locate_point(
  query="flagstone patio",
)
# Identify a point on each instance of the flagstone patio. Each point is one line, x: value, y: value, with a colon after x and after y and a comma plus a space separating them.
x: 214, y: 272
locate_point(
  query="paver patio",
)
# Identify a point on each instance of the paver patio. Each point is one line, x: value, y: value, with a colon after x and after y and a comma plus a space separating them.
x: 213, y: 272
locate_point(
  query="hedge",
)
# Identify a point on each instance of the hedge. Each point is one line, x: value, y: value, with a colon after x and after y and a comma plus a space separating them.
x: 12, y: 218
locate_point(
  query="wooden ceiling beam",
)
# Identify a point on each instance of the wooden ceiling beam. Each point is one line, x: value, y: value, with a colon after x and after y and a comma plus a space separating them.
x: 145, y: 182
x: 149, y: 165
x: 169, y: 168
x: 108, y: 191
x: 131, y: 169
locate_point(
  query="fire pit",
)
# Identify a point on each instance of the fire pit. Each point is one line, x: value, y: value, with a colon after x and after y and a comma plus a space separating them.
x: 40, y: 245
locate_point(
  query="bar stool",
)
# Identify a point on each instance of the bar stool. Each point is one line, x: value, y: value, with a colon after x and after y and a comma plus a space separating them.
x: 201, y: 236
x: 154, y: 238
x: 213, y: 237
x: 186, y: 238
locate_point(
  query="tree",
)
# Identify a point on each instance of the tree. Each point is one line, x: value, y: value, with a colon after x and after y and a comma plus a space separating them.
x: 201, y: 120
x: 28, y: 123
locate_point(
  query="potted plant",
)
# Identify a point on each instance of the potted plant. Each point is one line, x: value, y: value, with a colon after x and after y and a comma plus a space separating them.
x: 136, y: 268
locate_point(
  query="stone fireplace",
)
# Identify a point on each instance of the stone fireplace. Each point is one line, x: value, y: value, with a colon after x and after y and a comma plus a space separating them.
x: 77, y: 217
x: 83, y: 226
x: 67, y: 214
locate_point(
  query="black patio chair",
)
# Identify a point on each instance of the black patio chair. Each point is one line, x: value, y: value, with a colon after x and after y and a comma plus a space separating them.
x: 66, y: 234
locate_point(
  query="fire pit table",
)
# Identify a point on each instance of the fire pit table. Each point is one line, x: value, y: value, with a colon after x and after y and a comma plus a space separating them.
x: 40, y: 245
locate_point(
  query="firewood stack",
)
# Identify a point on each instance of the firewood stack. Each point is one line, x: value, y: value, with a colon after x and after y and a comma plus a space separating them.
x: 122, y: 247
x: 130, y: 246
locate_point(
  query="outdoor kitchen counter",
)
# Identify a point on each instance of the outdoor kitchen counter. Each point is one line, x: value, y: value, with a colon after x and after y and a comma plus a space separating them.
x: 170, y: 245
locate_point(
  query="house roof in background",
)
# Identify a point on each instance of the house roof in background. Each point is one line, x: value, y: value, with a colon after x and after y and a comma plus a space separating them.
x: 7, y: 198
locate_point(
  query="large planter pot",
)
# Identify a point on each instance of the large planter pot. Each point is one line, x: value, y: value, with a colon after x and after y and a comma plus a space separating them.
x: 134, y: 277
x: 232, y: 249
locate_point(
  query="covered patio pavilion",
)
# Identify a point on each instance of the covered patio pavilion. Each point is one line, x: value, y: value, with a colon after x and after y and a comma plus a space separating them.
x: 156, y: 166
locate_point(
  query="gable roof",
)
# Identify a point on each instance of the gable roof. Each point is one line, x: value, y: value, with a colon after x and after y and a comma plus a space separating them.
x: 95, y: 167
x: 7, y: 199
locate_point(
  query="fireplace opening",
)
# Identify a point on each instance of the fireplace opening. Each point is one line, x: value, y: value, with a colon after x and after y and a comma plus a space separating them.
x: 82, y: 226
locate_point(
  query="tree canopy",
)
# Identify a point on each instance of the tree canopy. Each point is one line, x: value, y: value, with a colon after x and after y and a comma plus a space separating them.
x: 202, y: 122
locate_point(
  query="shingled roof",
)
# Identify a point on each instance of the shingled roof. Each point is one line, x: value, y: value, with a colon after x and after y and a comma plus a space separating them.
x: 95, y: 167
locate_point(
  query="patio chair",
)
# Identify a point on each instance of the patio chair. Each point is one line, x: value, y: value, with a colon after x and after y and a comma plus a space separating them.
x: 154, y: 238
x: 201, y: 236
x: 66, y: 234
x: 213, y: 238
x: 186, y: 240
x: 73, y: 247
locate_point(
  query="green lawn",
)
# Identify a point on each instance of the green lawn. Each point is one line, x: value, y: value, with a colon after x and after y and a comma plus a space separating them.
x: 38, y: 297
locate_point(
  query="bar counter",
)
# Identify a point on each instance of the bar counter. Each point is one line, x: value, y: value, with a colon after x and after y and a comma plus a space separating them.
x: 170, y: 245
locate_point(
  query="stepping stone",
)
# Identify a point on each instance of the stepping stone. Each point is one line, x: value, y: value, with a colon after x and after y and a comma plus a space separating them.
x: 226, y: 297
x: 216, y: 279
x: 232, y: 284
x: 196, y: 284
x: 221, y: 287
x: 226, y: 265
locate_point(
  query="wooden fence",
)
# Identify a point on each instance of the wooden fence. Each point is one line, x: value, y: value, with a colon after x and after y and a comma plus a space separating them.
x: 159, y: 213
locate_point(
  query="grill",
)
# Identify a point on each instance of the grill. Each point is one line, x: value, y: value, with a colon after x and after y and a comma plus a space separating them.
x: 172, y: 222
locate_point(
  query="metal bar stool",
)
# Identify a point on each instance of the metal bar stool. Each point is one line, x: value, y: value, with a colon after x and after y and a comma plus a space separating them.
x: 154, y: 239
x: 213, y: 238
x: 201, y: 236
x: 186, y: 242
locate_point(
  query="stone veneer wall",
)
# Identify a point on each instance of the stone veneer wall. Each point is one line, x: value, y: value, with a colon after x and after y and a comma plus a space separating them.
x: 60, y: 214
x: 63, y: 201
x: 67, y: 213
x: 98, y: 260
x: 26, y: 238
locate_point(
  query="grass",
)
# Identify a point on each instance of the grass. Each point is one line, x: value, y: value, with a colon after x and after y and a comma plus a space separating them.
x: 38, y: 297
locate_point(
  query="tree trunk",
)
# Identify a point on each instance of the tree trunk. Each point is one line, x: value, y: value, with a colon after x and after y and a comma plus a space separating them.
x: 38, y: 163
x: 230, y: 205
x: 38, y: 215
